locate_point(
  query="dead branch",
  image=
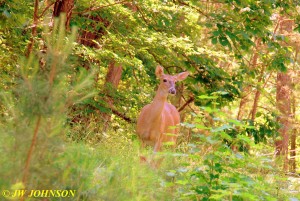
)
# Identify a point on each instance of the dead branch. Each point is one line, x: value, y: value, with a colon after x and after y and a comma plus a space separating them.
x: 191, y: 99
x: 122, y: 116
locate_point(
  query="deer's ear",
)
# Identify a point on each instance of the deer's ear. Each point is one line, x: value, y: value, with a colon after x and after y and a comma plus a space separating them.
x: 159, y: 71
x: 182, y: 76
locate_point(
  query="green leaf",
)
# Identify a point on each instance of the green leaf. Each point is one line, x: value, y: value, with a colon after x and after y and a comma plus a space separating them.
x: 214, y: 40
x: 224, y: 41
x: 221, y: 128
x: 235, y: 122
x: 207, y: 97
x: 202, y: 127
x: 168, y: 143
x: 216, y: 33
x: 188, y: 125
x: 225, y: 136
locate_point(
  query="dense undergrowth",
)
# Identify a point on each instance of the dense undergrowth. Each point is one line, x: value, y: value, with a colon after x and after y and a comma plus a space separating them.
x: 204, y: 169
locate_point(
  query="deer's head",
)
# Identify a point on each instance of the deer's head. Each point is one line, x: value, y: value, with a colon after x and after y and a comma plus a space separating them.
x: 167, y: 82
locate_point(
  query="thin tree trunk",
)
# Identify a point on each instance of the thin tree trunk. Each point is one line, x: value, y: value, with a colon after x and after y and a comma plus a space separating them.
x: 34, y: 28
x: 244, y: 100
x: 247, y: 90
x: 257, y: 95
x: 30, y: 153
x: 258, y: 91
x: 293, y: 139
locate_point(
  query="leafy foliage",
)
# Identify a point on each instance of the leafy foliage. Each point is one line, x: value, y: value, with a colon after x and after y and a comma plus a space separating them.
x: 52, y: 101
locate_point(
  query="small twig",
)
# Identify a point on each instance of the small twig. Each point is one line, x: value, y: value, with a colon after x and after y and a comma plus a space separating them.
x: 192, y: 63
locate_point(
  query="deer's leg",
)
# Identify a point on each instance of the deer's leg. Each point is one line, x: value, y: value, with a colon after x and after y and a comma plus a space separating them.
x: 158, y: 143
x: 156, y: 160
x: 143, y: 159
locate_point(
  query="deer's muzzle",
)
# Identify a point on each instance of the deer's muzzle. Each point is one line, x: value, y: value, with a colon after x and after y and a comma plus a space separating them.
x: 172, y: 90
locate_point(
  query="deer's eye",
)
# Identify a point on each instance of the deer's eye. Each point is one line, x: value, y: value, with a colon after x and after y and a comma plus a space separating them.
x: 164, y: 80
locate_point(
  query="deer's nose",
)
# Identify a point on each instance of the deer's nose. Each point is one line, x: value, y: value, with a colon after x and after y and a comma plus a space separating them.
x: 172, y: 91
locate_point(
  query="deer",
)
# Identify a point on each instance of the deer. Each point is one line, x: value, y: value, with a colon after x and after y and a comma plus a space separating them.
x: 158, y: 121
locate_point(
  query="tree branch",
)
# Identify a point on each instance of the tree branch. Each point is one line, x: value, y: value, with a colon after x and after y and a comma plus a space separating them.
x: 191, y: 99
x: 193, y: 7
x: 122, y: 116
x: 99, y: 7
x: 47, y: 7
x: 117, y: 113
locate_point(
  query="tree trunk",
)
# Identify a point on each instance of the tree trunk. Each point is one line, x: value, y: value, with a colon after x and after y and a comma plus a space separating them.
x: 284, y: 107
x: 293, y: 139
x: 247, y: 89
x: 64, y: 6
x: 112, y: 80
x: 257, y: 94
x: 283, y: 99
x: 295, y: 79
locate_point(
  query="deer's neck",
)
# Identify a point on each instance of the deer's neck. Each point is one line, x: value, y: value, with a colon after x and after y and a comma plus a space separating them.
x: 158, y: 103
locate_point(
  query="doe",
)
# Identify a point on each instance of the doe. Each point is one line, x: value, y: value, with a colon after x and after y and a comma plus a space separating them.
x: 157, y: 121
